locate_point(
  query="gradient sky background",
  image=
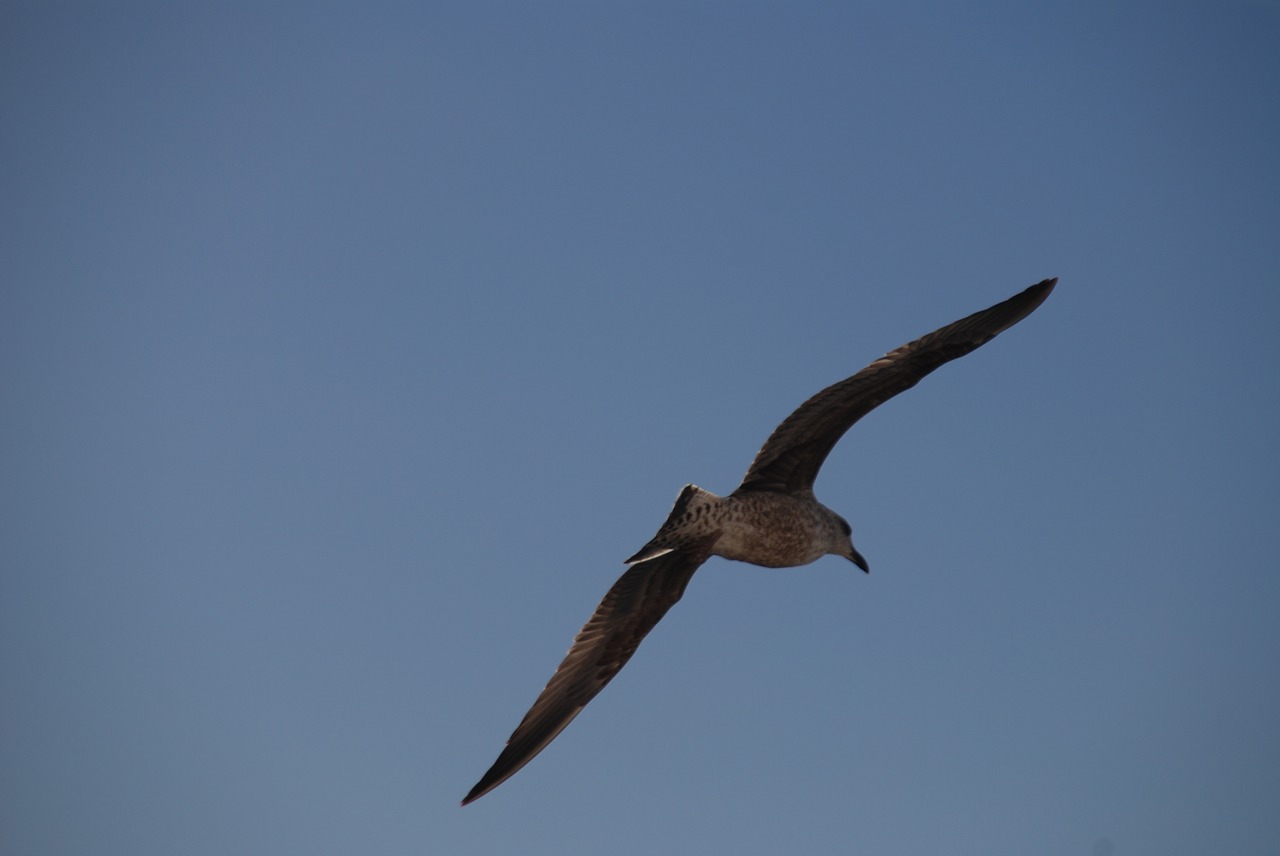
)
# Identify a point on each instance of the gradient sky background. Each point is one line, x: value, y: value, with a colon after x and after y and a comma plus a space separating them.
x: 346, y: 350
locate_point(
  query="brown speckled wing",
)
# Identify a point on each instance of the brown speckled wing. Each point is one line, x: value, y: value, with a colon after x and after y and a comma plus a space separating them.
x: 790, y: 459
x: 637, y: 601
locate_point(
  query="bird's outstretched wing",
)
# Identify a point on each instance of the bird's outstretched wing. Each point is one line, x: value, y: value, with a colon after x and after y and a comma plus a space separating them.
x: 790, y: 459
x: 637, y: 601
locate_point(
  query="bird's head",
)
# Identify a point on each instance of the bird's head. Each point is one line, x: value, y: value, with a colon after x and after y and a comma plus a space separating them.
x: 845, y: 546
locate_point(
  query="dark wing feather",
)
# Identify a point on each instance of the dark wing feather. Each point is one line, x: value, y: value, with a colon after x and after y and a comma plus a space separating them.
x: 637, y: 601
x: 790, y: 459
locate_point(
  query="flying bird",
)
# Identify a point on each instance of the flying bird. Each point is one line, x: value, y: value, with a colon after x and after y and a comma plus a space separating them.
x: 772, y: 519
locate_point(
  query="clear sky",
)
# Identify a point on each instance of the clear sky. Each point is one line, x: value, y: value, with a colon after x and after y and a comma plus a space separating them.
x: 347, y: 349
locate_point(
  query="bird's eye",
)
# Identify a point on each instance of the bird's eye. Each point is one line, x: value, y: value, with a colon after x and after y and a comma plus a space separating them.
x: 848, y: 530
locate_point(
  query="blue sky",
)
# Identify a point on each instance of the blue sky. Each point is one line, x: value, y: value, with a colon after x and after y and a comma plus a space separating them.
x: 347, y: 349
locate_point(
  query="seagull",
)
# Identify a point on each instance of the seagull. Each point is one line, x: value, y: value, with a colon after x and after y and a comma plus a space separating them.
x: 772, y: 519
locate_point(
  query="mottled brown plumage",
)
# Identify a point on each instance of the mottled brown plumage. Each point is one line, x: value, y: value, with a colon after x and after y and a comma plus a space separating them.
x: 772, y: 519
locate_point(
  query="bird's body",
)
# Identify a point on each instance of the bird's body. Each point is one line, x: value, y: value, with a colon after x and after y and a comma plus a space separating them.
x: 773, y: 530
x: 772, y: 519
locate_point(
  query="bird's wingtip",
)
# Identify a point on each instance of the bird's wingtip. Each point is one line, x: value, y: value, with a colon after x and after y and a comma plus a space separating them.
x: 1030, y: 298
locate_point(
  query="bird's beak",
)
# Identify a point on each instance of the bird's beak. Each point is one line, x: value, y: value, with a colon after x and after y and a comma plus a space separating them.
x: 856, y: 557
